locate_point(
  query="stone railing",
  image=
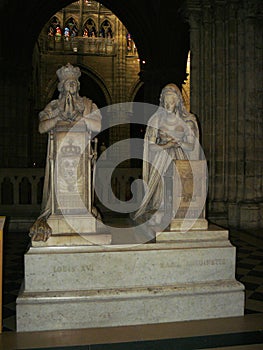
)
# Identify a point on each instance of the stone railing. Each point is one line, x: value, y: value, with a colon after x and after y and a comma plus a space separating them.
x: 21, y: 186
x: 21, y: 193
x: 82, y: 45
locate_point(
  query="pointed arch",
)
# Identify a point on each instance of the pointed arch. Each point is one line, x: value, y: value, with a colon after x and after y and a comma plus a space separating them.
x: 51, y: 89
x: 72, y: 24
x: 138, y: 85
x: 90, y: 28
x: 105, y: 29
x: 97, y: 78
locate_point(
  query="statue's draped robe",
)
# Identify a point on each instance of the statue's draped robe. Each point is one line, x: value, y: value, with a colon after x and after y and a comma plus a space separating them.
x: 156, y: 163
x: 90, y: 111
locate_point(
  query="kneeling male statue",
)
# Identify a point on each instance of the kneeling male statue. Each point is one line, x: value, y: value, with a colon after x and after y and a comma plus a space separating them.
x: 66, y: 111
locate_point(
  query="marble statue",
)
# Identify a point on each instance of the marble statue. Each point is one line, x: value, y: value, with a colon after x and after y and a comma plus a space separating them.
x: 70, y: 108
x: 172, y: 134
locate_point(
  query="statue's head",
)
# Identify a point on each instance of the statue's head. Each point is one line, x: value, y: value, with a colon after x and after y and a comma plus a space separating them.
x: 173, y: 90
x: 68, y: 75
x: 171, y: 98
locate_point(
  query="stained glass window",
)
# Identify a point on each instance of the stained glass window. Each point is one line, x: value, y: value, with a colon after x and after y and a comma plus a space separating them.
x: 71, y: 28
x: 54, y: 29
x: 89, y: 28
x: 106, y: 29
x: 131, y: 48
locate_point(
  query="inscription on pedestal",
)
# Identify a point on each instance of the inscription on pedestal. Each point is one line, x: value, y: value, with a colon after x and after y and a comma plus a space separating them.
x: 69, y: 268
x: 205, y: 262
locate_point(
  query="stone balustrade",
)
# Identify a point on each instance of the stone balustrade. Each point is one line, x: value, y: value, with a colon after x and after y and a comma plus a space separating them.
x: 84, y: 45
x: 21, y: 193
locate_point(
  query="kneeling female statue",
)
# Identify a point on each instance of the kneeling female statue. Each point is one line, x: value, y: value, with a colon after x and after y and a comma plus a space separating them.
x: 172, y: 134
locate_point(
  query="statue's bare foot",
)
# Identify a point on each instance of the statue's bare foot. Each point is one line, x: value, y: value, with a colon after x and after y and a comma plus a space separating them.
x: 40, y: 231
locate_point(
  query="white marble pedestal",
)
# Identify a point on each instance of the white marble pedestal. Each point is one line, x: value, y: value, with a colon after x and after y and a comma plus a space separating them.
x: 190, y: 278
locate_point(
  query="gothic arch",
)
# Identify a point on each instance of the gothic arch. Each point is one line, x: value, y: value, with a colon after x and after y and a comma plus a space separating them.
x: 110, y: 27
x: 92, y: 17
x: 134, y: 89
x: 92, y: 26
x: 71, y: 16
x: 56, y: 17
x: 72, y: 25
x: 51, y: 89
x: 97, y: 78
x: 52, y: 23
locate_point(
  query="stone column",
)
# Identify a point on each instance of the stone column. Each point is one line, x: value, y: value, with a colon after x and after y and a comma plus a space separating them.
x: 194, y: 17
x: 219, y: 107
x: 202, y: 83
x: 225, y: 84
x: 120, y: 68
x: 236, y: 120
x: 81, y: 5
x: 118, y: 114
x: 250, y: 106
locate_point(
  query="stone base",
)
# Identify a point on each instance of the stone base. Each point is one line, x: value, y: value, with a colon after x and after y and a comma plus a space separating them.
x: 74, y: 240
x: 185, y: 225
x: 105, y: 308
x: 211, y: 236
x: 117, y: 285
x: 75, y: 230
x: 72, y: 223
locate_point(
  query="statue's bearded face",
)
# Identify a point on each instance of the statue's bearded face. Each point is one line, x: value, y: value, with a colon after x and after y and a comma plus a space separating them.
x: 71, y: 86
x: 171, y: 102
